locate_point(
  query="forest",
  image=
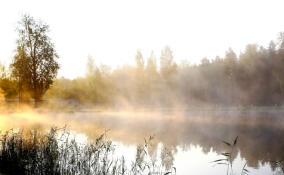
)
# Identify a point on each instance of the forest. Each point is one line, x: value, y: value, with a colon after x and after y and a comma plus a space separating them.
x: 254, y: 77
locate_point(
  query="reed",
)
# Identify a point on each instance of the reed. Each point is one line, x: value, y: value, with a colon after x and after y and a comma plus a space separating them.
x: 58, y: 153
x: 227, y: 158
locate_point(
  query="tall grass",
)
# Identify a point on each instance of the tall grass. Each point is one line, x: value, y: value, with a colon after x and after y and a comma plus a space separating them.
x: 57, y: 152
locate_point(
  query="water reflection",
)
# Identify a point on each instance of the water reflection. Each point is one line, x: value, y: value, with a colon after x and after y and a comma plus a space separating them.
x: 260, y: 132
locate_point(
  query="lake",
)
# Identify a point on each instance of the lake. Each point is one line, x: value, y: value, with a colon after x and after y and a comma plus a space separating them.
x: 192, y: 139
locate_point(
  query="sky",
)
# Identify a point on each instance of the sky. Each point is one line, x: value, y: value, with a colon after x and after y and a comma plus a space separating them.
x: 112, y: 31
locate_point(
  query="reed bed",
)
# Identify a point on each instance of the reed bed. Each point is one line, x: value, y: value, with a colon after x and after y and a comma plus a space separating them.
x: 58, y: 153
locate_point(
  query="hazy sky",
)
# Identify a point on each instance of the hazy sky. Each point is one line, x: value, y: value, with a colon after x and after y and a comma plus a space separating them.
x: 112, y: 31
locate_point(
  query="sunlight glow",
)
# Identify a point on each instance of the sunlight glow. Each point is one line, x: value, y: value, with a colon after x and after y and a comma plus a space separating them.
x: 112, y: 31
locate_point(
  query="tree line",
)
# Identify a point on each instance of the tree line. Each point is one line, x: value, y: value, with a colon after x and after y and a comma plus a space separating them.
x: 253, y: 77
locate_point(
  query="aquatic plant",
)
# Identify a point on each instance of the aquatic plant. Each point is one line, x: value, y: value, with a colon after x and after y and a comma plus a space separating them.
x: 228, y: 158
x: 57, y: 152
x: 279, y: 164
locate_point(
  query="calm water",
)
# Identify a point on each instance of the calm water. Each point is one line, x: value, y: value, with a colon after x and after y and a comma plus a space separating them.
x: 191, y: 139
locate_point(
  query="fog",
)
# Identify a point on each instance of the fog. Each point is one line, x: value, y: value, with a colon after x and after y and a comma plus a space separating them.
x: 180, y: 105
x: 253, y: 78
x: 260, y: 132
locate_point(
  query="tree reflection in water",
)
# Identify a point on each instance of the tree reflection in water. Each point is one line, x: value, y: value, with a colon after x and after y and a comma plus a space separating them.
x: 260, y: 132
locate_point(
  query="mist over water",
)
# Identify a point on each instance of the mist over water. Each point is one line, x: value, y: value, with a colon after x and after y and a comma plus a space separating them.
x: 195, y: 133
x: 193, y: 114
